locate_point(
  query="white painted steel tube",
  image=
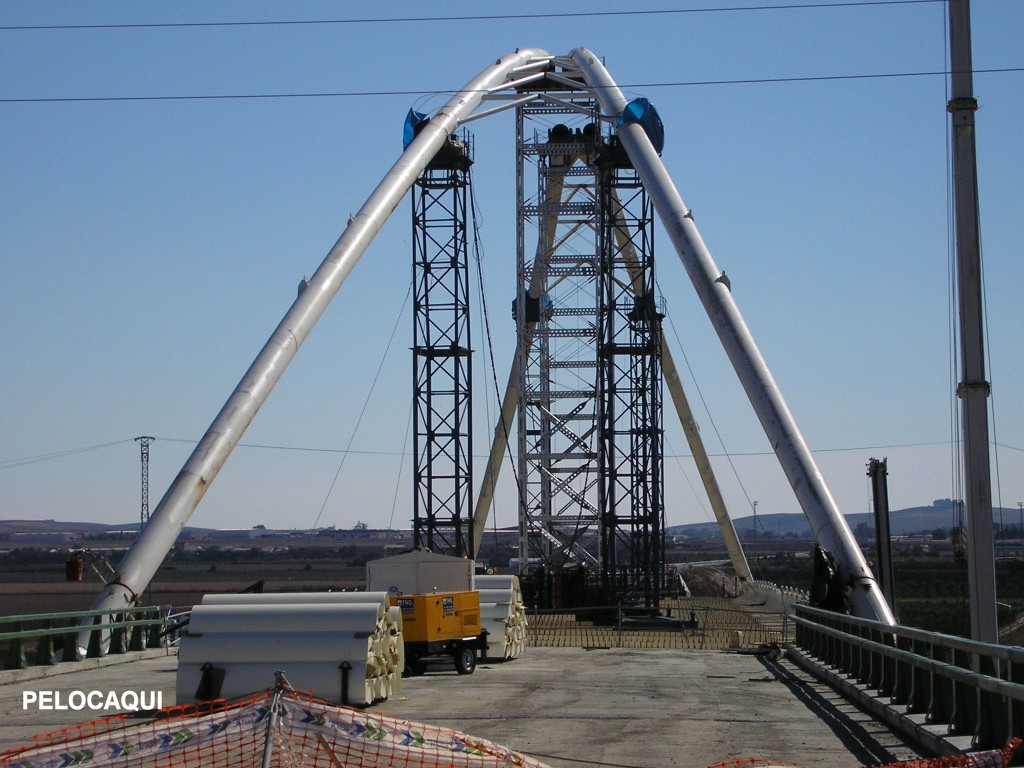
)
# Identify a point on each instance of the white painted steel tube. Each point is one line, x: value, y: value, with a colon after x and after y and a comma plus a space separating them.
x: 287, y: 598
x: 830, y: 528
x: 496, y: 581
x: 136, y: 569
x: 310, y: 660
x: 243, y: 680
x: 354, y: 617
x: 496, y: 596
x: 276, y: 648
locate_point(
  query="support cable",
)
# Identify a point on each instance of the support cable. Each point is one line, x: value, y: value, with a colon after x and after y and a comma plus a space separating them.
x: 478, y: 257
x: 401, y: 466
x: 366, y: 403
x: 700, y: 394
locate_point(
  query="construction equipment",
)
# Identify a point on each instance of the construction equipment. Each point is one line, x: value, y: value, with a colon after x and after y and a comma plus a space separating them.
x: 439, y: 625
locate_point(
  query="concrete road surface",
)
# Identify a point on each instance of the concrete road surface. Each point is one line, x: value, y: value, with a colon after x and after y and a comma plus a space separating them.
x: 568, y: 707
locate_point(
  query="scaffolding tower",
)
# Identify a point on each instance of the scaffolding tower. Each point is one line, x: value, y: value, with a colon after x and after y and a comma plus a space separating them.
x: 590, y: 440
x: 556, y: 334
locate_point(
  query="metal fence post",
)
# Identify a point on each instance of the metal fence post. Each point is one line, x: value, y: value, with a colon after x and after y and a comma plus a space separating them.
x: 993, y: 727
x: 965, y: 700
x: 1015, y: 674
x: 16, y: 652
x: 95, y: 649
x: 44, y: 648
x: 117, y: 634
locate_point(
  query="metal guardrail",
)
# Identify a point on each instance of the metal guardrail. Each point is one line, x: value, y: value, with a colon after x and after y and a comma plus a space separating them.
x: 54, y: 637
x: 974, y: 689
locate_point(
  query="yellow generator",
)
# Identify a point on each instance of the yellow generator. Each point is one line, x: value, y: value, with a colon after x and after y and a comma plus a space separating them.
x: 441, y: 624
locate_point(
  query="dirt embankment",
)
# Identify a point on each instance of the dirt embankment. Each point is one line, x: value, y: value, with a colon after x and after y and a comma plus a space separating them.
x: 182, y: 588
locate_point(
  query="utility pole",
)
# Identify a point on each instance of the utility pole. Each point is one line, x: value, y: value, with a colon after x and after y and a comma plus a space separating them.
x: 144, y: 442
x: 878, y: 472
x: 974, y: 388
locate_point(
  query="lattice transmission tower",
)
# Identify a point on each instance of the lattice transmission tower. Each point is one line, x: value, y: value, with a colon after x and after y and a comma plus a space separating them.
x: 144, y: 443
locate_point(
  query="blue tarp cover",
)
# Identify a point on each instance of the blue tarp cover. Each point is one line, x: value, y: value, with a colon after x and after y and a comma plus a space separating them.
x: 643, y: 112
x: 412, y: 121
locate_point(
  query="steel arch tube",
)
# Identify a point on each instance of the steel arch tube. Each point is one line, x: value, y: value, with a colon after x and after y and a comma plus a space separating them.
x: 140, y: 563
x: 830, y: 528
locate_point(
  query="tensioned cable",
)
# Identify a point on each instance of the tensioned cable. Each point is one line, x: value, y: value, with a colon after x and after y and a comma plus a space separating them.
x: 682, y: 470
x: 366, y: 402
x: 401, y: 466
x: 994, y: 440
x: 432, y: 92
x: 474, y: 18
x: 714, y: 426
x: 12, y: 463
x: 478, y: 257
x: 484, y: 319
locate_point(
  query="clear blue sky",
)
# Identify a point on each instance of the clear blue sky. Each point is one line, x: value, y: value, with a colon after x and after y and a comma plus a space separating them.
x: 149, y: 247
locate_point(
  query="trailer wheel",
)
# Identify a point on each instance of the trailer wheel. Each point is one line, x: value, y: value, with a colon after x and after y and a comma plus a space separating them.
x: 414, y: 667
x: 465, y: 660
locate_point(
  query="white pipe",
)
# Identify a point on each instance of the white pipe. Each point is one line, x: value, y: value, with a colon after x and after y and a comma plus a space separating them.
x: 830, y: 527
x: 346, y: 617
x: 286, y: 598
x: 276, y: 648
x: 496, y: 581
x: 496, y: 595
x: 136, y: 569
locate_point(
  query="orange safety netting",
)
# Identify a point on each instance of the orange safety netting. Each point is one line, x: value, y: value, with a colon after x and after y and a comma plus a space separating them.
x: 286, y: 729
x: 294, y: 730
x: 1008, y: 755
x: 995, y: 758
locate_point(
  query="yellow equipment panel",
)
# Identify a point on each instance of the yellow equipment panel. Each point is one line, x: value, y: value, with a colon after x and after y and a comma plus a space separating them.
x: 439, y: 616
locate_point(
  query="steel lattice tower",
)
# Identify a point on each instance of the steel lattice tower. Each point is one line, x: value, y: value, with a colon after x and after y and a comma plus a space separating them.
x: 589, y: 352
x: 555, y: 323
x: 442, y: 361
x: 144, y: 443
x: 632, y: 437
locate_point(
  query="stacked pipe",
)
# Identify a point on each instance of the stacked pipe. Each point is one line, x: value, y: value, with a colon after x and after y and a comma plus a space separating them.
x: 502, y: 614
x: 344, y: 647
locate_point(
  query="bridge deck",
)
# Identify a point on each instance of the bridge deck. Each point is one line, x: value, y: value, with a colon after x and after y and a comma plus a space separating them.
x: 568, y: 706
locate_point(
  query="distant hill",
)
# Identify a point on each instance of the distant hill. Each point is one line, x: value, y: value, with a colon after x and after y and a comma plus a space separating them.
x: 902, y: 522
x: 59, y: 526
x: 8, y: 527
x: 939, y: 514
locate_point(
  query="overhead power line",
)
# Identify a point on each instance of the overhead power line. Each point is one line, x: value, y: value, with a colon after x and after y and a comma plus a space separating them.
x: 22, y: 461
x: 468, y: 18
x: 367, y: 94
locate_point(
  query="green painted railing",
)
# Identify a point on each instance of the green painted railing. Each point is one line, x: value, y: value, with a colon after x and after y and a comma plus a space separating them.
x: 974, y: 689
x: 51, y: 638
